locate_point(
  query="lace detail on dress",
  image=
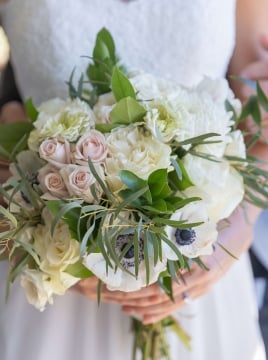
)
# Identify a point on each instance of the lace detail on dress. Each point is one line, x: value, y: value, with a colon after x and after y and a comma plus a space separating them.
x: 48, y: 39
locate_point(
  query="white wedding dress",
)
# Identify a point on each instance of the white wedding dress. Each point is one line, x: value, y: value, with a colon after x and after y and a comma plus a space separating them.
x: 179, y: 39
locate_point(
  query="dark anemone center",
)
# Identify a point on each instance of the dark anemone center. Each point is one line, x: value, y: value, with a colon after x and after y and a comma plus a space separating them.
x: 185, y: 236
x: 130, y: 252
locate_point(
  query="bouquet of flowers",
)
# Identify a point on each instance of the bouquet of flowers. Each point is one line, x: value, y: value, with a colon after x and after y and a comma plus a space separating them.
x: 124, y: 180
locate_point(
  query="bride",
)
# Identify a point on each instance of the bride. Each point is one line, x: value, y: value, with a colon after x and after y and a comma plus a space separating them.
x: 182, y: 40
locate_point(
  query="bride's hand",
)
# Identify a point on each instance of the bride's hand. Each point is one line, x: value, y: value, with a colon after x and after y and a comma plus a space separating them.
x: 152, y: 305
x: 257, y: 71
x: 10, y: 112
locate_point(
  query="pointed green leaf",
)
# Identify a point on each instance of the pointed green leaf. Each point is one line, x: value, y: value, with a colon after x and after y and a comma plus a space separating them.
x: 78, y: 270
x: 121, y: 86
x: 127, y: 111
x: 30, y: 109
x: 11, y: 134
x: 131, y: 180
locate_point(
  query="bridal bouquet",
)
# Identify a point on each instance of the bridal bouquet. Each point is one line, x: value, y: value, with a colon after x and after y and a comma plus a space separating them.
x: 125, y: 180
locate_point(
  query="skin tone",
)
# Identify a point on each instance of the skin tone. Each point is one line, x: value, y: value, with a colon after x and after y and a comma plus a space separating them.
x: 250, y: 60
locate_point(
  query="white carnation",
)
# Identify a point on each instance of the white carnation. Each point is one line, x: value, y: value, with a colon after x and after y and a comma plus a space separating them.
x: 66, y: 120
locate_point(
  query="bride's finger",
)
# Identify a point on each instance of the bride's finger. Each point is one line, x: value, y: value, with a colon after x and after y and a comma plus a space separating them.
x: 12, y: 112
x: 264, y: 41
x: 256, y: 71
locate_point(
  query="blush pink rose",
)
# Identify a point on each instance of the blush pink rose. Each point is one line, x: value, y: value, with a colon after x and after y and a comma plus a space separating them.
x: 55, y: 152
x: 92, y: 145
x: 78, y: 180
x: 51, y: 183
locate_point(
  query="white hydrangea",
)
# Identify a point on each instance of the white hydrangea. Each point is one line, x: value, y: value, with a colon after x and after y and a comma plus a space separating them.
x: 66, y: 120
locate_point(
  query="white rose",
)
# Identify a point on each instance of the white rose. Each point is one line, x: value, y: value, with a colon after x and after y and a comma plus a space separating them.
x: 66, y: 120
x: 37, y: 287
x: 79, y: 179
x: 103, y: 107
x: 91, y: 145
x: 191, y: 242
x: 56, y: 251
x: 223, y: 184
x: 55, y: 152
x: 130, y: 148
x: 52, y: 184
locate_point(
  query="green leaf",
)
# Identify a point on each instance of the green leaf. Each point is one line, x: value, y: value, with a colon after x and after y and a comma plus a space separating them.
x: 174, y: 223
x: 105, y: 37
x: 31, y: 110
x: 165, y: 282
x: 11, y: 135
x: 262, y: 97
x: 121, y: 86
x: 78, y: 270
x: 158, y: 184
x: 146, y: 260
x: 127, y: 111
x: 65, y: 211
x: 251, y: 108
x: 131, y: 180
x: 128, y: 201
x: 85, y: 239
x: 179, y: 177
x: 105, y: 128
x: 197, y: 139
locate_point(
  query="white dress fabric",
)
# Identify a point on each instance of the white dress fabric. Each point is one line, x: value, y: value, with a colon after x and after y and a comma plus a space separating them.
x: 183, y: 40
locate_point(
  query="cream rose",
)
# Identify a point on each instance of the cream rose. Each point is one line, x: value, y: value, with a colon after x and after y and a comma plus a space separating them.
x: 91, y: 145
x: 79, y: 179
x: 56, y: 251
x: 37, y: 287
x: 51, y: 183
x: 55, y: 152
x: 66, y: 120
x: 131, y: 148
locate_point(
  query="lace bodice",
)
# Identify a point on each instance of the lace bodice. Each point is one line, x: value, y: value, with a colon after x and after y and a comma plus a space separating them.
x: 176, y: 38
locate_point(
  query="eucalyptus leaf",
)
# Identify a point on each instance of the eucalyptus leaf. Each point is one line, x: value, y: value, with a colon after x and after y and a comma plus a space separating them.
x: 262, y: 97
